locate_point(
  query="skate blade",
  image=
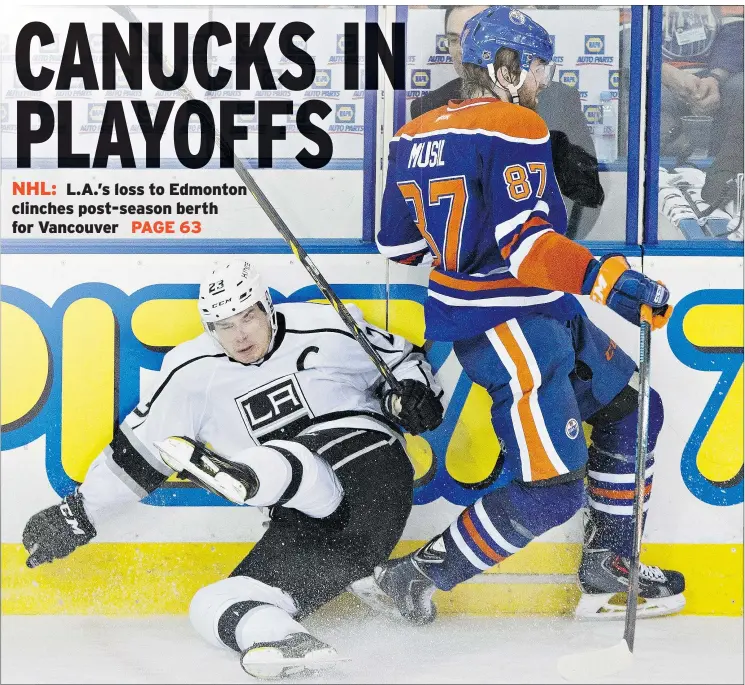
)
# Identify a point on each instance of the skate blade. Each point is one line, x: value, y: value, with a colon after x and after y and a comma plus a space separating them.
x: 369, y: 592
x: 612, y: 606
x: 267, y: 663
x: 175, y: 454
x: 589, y: 667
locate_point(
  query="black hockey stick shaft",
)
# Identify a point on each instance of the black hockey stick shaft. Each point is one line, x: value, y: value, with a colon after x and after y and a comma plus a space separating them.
x: 297, y: 249
x: 642, y: 437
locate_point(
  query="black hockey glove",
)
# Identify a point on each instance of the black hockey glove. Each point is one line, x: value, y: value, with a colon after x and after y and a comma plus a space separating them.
x: 55, y: 532
x: 416, y: 409
x: 576, y: 171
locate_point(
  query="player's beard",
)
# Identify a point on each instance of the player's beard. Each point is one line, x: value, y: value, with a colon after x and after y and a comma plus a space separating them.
x: 529, y: 92
x: 529, y: 99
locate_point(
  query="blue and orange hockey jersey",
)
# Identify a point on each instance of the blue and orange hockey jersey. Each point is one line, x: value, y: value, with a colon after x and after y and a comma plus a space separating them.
x: 471, y: 188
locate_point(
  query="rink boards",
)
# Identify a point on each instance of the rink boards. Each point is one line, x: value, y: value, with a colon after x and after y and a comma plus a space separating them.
x: 81, y: 332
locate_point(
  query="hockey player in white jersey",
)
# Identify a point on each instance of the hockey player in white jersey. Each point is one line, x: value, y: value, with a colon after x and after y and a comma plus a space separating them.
x: 278, y: 408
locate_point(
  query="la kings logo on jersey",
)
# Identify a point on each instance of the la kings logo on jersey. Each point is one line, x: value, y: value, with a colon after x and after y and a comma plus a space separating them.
x: 273, y: 406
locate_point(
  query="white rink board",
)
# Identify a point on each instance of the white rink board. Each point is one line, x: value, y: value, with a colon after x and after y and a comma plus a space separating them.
x: 677, y: 515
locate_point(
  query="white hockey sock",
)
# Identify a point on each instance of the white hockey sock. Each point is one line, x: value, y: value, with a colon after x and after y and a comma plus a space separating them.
x: 265, y: 623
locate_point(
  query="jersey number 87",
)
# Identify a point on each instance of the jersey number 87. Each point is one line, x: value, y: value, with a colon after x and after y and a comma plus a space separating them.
x: 454, y: 188
x: 518, y: 183
x: 451, y: 188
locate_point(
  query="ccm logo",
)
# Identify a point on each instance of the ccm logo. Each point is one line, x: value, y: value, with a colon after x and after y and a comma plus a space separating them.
x: 70, y: 519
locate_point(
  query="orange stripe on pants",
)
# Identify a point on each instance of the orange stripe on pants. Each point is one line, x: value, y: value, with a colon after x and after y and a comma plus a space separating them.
x: 476, y: 537
x: 540, y: 465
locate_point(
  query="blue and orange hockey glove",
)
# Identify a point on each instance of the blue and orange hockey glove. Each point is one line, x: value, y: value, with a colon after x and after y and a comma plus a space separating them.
x: 613, y: 283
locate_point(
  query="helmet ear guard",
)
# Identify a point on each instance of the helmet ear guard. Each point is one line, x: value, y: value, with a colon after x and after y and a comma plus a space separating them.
x: 511, y: 88
x: 267, y: 306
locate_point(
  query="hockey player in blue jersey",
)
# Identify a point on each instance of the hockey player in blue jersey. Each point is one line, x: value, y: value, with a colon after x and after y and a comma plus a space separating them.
x: 471, y: 190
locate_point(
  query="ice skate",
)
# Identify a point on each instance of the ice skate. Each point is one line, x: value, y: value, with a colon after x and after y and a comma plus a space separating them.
x: 400, y: 586
x: 296, y: 654
x: 194, y: 461
x: 604, y: 578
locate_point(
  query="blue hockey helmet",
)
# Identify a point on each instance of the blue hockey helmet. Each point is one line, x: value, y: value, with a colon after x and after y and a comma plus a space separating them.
x: 504, y: 27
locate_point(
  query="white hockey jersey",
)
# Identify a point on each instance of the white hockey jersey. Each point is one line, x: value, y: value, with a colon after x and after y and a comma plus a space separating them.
x: 316, y: 374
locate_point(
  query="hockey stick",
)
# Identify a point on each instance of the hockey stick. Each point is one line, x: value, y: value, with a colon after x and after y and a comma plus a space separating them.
x: 297, y: 249
x: 589, y: 666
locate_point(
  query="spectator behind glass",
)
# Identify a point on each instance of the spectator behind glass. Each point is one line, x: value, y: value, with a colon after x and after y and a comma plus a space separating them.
x: 573, y: 151
x: 702, y: 75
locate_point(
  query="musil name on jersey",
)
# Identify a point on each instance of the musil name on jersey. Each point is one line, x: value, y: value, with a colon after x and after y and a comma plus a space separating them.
x: 427, y: 154
x: 274, y: 406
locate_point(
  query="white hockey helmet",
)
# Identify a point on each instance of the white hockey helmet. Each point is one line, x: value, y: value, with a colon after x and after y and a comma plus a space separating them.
x: 231, y: 289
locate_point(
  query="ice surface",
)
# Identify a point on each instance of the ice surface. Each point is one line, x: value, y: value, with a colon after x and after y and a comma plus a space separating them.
x: 165, y: 649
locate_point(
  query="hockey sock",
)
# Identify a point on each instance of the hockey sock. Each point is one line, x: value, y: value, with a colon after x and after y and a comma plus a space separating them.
x: 498, y: 525
x: 611, y: 498
x: 611, y: 477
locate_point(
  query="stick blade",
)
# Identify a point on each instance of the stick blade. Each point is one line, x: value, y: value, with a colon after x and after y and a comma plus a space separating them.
x: 588, y: 667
